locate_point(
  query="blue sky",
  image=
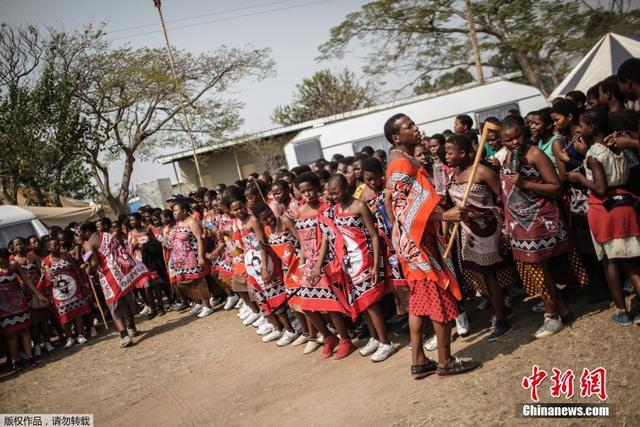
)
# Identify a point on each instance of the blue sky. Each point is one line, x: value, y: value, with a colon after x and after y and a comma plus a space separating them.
x: 293, y: 29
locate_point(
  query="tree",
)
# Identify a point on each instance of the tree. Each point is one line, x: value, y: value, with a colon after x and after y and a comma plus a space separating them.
x: 325, y: 94
x: 130, y: 101
x: 41, y: 133
x: 445, y: 81
x: 539, y: 38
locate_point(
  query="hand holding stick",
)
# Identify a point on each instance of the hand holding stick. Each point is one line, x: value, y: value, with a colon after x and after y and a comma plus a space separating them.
x: 485, y: 131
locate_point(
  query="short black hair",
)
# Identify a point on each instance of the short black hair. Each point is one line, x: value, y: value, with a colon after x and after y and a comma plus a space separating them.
x: 372, y: 165
x: 629, y: 70
x: 281, y: 184
x: 438, y: 137
x: 544, y: 115
x: 167, y: 213
x: 381, y: 153
x: 465, y: 120
x: 184, y: 204
x: 4, y: 253
x: 511, y: 122
x: 594, y: 91
x: 598, y: 118
x: 337, y: 157
x: 461, y: 142
x: 88, y: 227
x: 309, y: 177
x: 611, y: 86
x: 212, y: 194
x: 259, y: 208
x: 368, y: 150
x: 105, y: 220
x: 577, y: 96
x: 339, y: 179
x: 323, y: 175
x: 299, y: 170
x: 390, y: 128
x: 566, y: 107
x: 232, y: 193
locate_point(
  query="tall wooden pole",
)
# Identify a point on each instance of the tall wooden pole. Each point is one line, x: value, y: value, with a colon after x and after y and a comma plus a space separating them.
x: 157, y: 4
x: 474, y: 41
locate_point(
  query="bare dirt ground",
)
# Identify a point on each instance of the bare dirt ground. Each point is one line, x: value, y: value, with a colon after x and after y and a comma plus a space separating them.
x: 185, y: 371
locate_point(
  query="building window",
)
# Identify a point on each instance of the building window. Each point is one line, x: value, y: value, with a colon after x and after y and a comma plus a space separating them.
x: 500, y: 112
x: 377, y: 143
x: 307, y: 151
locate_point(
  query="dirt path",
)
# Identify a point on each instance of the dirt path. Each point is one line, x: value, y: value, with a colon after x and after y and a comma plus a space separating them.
x: 184, y: 371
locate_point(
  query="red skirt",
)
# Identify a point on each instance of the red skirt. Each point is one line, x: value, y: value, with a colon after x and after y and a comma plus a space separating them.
x: 426, y: 298
x: 15, y: 322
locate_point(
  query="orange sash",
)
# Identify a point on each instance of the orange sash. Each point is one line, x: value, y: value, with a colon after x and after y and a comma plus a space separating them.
x: 413, y: 200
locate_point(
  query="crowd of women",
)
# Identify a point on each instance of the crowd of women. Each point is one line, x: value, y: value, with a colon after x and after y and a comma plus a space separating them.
x: 312, y: 254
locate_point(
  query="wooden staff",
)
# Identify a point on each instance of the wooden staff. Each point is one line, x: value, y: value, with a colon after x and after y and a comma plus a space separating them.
x: 485, y: 131
x: 255, y: 181
x: 95, y: 295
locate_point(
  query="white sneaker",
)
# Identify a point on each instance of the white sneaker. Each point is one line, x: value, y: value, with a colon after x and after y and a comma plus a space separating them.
x: 432, y: 344
x: 92, y: 332
x: 145, y: 310
x: 196, y: 309
x: 48, y: 346
x: 126, y: 341
x: 383, y: 352
x: 132, y: 332
x: 550, y: 326
x: 302, y: 339
x: 231, y: 302
x: 240, y: 303
x: 244, y: 312
x: 96, y: 322
x: 272, y: 336
x: 251, y: 318
x: 312, y: 345
x: 462, y: 324
x: 37, y: 350
x: 69, y: 343
x: 261, y: 321
x: 205, y: 312
x: 81, y: 339
x: 287, y: 338
x: 264, y: 329
x: 370, y: 347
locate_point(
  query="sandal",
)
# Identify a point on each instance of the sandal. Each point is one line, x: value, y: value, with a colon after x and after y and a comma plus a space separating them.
x: 458, y: 367
x: 422, y: 371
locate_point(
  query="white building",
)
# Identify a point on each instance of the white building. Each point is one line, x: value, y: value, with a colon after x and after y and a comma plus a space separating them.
x: 347, y: 133
x: 433, y: 113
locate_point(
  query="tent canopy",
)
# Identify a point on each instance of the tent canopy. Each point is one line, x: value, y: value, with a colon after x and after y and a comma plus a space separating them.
x: 602, y: 61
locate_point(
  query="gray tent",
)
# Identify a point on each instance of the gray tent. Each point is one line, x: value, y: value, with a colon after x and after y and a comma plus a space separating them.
x: 602, y: 61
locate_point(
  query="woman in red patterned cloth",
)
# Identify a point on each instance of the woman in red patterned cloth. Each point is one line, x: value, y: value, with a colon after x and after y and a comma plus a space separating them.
x: 362, y: 260
x: 322, y: 288
x: 285, y: 242
x: 30, y: 263
x: 140, y: 242
x: 221, y: 255
x: 118, y: 274
x: 187, y: 260
x: 433, y: 285
x: 264, y: 272
x: 62, y: 279
x: 15, y: 320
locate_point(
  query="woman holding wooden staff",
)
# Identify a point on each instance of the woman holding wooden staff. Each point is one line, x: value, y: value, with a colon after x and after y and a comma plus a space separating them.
x: 483, y: 266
